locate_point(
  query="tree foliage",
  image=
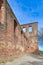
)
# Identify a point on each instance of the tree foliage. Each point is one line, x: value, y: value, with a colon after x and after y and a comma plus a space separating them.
x: 40, y: 35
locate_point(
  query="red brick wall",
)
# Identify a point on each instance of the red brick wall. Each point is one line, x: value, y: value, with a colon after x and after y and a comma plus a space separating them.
x: 32, y: 37
x: 13, y: 42
x: 10, y: 40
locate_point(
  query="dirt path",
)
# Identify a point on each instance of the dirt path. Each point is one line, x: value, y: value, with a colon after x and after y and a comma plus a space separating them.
x: 26, y: 60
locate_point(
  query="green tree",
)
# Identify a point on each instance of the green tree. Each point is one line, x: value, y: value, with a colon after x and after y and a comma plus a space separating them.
x: 40, y: 35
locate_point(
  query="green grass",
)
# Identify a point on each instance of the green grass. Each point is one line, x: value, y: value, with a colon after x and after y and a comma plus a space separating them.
x: 3, y: 62
x: 40, y: 52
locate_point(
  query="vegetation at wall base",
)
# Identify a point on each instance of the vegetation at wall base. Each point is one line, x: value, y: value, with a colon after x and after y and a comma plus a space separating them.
x: 40, y: 52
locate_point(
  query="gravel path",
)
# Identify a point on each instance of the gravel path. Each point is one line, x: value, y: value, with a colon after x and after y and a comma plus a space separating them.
x: 27, y: 60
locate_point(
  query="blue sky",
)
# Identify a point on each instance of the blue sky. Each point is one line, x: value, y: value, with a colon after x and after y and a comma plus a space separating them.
x: 40, y: 45
x: 28, y: 11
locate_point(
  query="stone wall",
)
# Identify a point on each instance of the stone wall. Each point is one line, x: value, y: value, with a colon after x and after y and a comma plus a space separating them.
x: 31, y: 33
x: 13, y: 41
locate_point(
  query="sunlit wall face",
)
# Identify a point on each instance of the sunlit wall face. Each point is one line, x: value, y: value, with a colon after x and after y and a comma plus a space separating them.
x: 27, y: 12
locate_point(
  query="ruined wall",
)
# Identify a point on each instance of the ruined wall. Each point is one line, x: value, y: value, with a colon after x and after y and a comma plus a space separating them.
x: 10, y: 34
x: 13, y: 41
x: 2, y: 25
x: 31, y: 33
x: 7, y: 33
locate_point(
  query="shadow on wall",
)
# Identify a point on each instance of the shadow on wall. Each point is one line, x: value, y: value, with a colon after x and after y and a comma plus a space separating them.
x: 1, y: 2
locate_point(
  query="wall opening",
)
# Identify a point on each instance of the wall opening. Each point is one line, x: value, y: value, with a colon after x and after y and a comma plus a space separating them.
x: 15, y: 25
x: 1, y: 26
x: 30, y: 29
x: 1, y: 2
x: 24, y: 30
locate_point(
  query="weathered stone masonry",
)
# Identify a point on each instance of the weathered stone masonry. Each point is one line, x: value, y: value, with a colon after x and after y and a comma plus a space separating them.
x: 13, y: 40
x: 31, y: 33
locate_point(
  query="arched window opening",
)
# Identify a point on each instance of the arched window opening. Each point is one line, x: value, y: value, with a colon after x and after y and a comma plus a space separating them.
x: 24, y: 30
x: 15, y: 25
x: 30, y: 29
